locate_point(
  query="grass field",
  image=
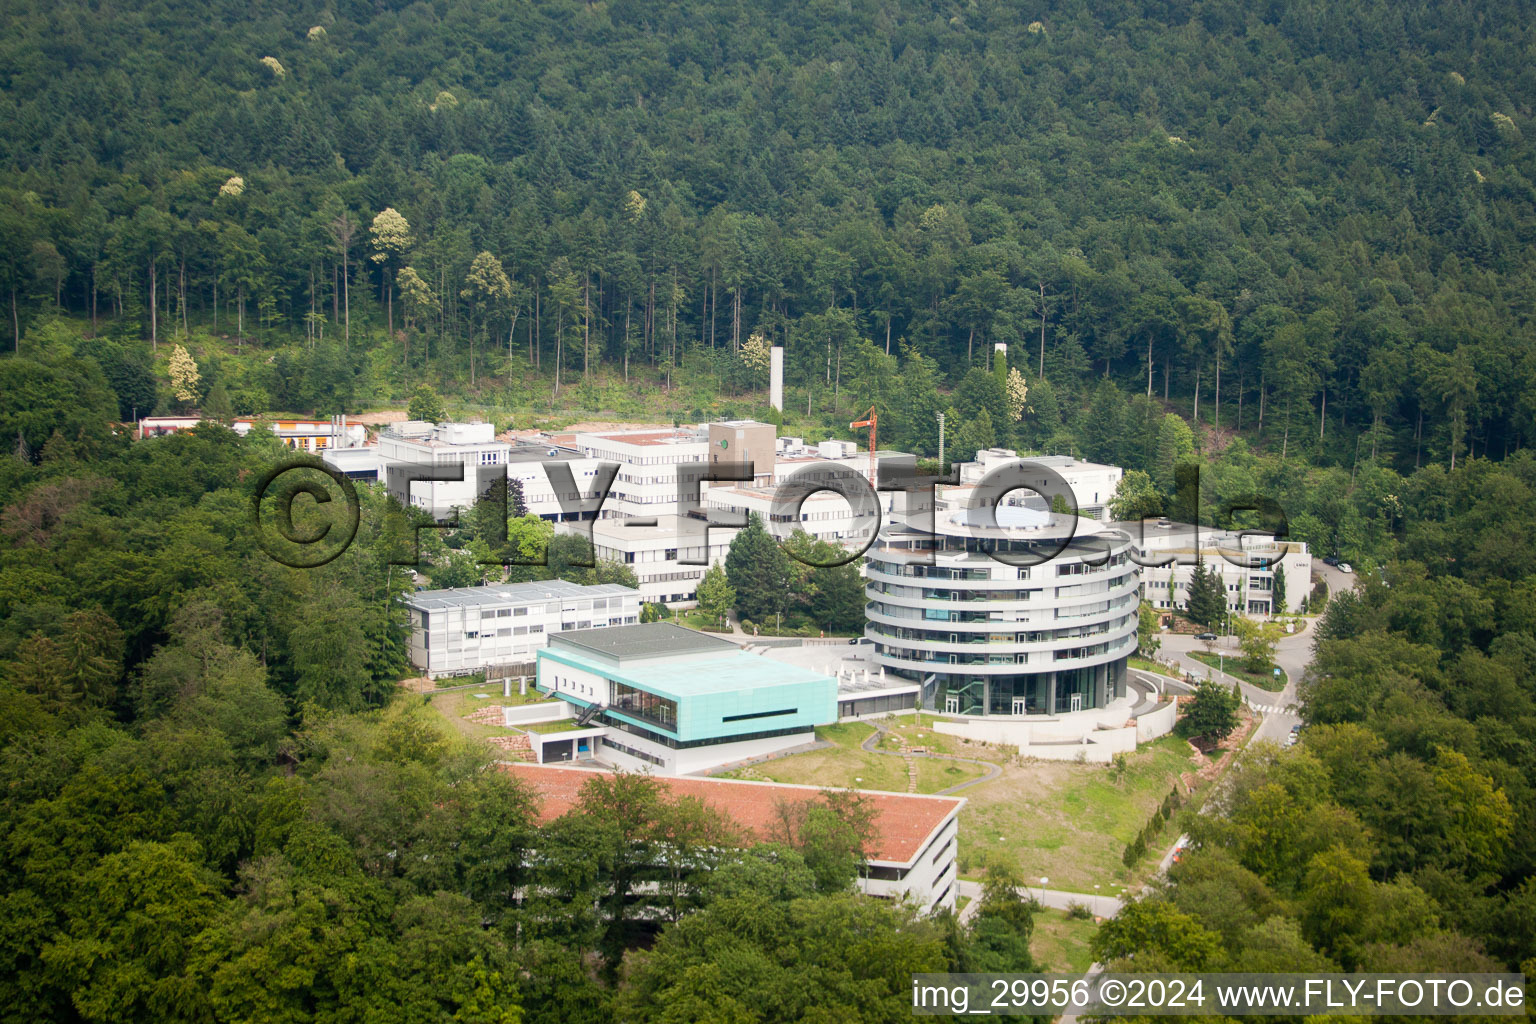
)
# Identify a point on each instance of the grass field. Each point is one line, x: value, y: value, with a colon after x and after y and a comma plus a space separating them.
x: 705, y: 623
x: 918, y: 732
x: 1234, y: 667
x: 1060, y: 942
x: 1067, y: 822
x: 845, y: 765
x: 1148, y: 665
x: 454, y: 706
x: 565, y: 725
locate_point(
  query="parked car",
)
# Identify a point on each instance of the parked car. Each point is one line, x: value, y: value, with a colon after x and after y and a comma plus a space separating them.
x: 1205, y: 636
x: 1331, y: 560
x: 1346, y: 567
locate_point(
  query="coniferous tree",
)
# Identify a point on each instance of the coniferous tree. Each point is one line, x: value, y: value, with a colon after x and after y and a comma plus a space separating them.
x: 759, y: 570
x: 1207, y: 600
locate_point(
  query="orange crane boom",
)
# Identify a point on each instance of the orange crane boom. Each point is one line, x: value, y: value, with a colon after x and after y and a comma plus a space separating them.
x: 871, y: 421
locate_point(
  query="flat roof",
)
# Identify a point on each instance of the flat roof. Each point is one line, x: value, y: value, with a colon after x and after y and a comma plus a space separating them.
x: 904, y: 823
x: 514, y: 593
x: 643, y: 640
x: 653, y: 437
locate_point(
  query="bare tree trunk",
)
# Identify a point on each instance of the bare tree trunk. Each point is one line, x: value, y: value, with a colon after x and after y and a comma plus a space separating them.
x: 15, y: 320
x: 1322, y: 418
x: 888, y: 334
x: 1149, y: 364
x: 1418, y: 437
x: 586, y: 324
x: 1218, y: 387
x: 346, y: 300
x: 1261, y: 404
x: 714, y: 310
x: 970, y: 345
x: 183, y: 298
x: 1042, y: 330
x: 627, y: 307
x: 837, y: 385
x: 154, y: 309
x: 1196, y: 419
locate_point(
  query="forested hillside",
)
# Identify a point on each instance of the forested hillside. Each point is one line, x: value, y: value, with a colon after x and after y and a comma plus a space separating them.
x: 1315, y: 217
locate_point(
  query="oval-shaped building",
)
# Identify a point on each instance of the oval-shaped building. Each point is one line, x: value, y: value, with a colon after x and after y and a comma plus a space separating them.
x: 1012, y: 612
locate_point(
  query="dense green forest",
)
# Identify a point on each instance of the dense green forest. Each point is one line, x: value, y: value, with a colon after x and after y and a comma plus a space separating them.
x: 1315, y: 216
x: 1396, y: 837
x: 1289, y: 243
x: 214, y: 805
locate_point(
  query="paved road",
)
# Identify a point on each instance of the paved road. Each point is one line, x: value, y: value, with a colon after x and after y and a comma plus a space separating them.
x: 1293, y: 653
x: 1057, y: 899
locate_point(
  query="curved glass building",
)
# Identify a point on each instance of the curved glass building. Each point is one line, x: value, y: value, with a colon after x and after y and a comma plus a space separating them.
x: 989, y: 638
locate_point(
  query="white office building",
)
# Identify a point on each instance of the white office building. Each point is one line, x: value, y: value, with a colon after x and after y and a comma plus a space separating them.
x: 654, y: 552
x: 1247, y: 563
x: 416, y: 444
x: 988, y: 638
x: 471, y: 629
x: 1092, y: 484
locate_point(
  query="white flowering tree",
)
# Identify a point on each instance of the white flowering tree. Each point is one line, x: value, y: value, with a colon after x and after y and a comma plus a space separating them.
x: 1017, y: 393
x: 391, y: 238
x: 756, y: 355
x: 184, y: 376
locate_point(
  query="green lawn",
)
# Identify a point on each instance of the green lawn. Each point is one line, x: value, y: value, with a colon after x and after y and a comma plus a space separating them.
x: 1068, y: 822
x: 700, y: 621
x: 845, y: 766
x: 1234, y: 667
x: 1060, y: 942
x: 1148, y: 665
x: 456, y: 705
x: 566, y: 725
x: 918, y: 731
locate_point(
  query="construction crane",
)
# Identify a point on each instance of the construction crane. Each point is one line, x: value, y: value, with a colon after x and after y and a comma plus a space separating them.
x: 870, y: 420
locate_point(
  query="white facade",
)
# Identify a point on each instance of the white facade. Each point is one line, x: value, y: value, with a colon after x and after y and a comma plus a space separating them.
x: 646, y: 484
x: 989, y: 638
x: 1093, y: 484
x: 653, y: 552
x: 1246, y: 563
x: 468, y: 629
x: 413, y: 443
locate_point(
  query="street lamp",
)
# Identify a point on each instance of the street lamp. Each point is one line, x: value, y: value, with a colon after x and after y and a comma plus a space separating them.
x: 1043, y: 881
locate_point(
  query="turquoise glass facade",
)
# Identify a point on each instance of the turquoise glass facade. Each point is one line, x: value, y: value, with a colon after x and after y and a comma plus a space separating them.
x: 727, y: 696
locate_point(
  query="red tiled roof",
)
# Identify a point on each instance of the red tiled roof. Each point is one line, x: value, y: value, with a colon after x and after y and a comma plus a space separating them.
x: 903, y: 822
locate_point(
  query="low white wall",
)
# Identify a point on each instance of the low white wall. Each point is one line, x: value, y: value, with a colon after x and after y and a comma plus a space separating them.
x: 547, y: 711
x: 1157, y: 723
x: 1087, y: 737
x: 1090, y: 753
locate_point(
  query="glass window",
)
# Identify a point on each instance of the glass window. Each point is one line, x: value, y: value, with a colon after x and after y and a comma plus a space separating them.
x: 644, y: 704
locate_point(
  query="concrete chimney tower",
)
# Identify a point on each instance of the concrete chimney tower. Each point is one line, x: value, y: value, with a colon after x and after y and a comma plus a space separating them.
x: 776, y: 377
